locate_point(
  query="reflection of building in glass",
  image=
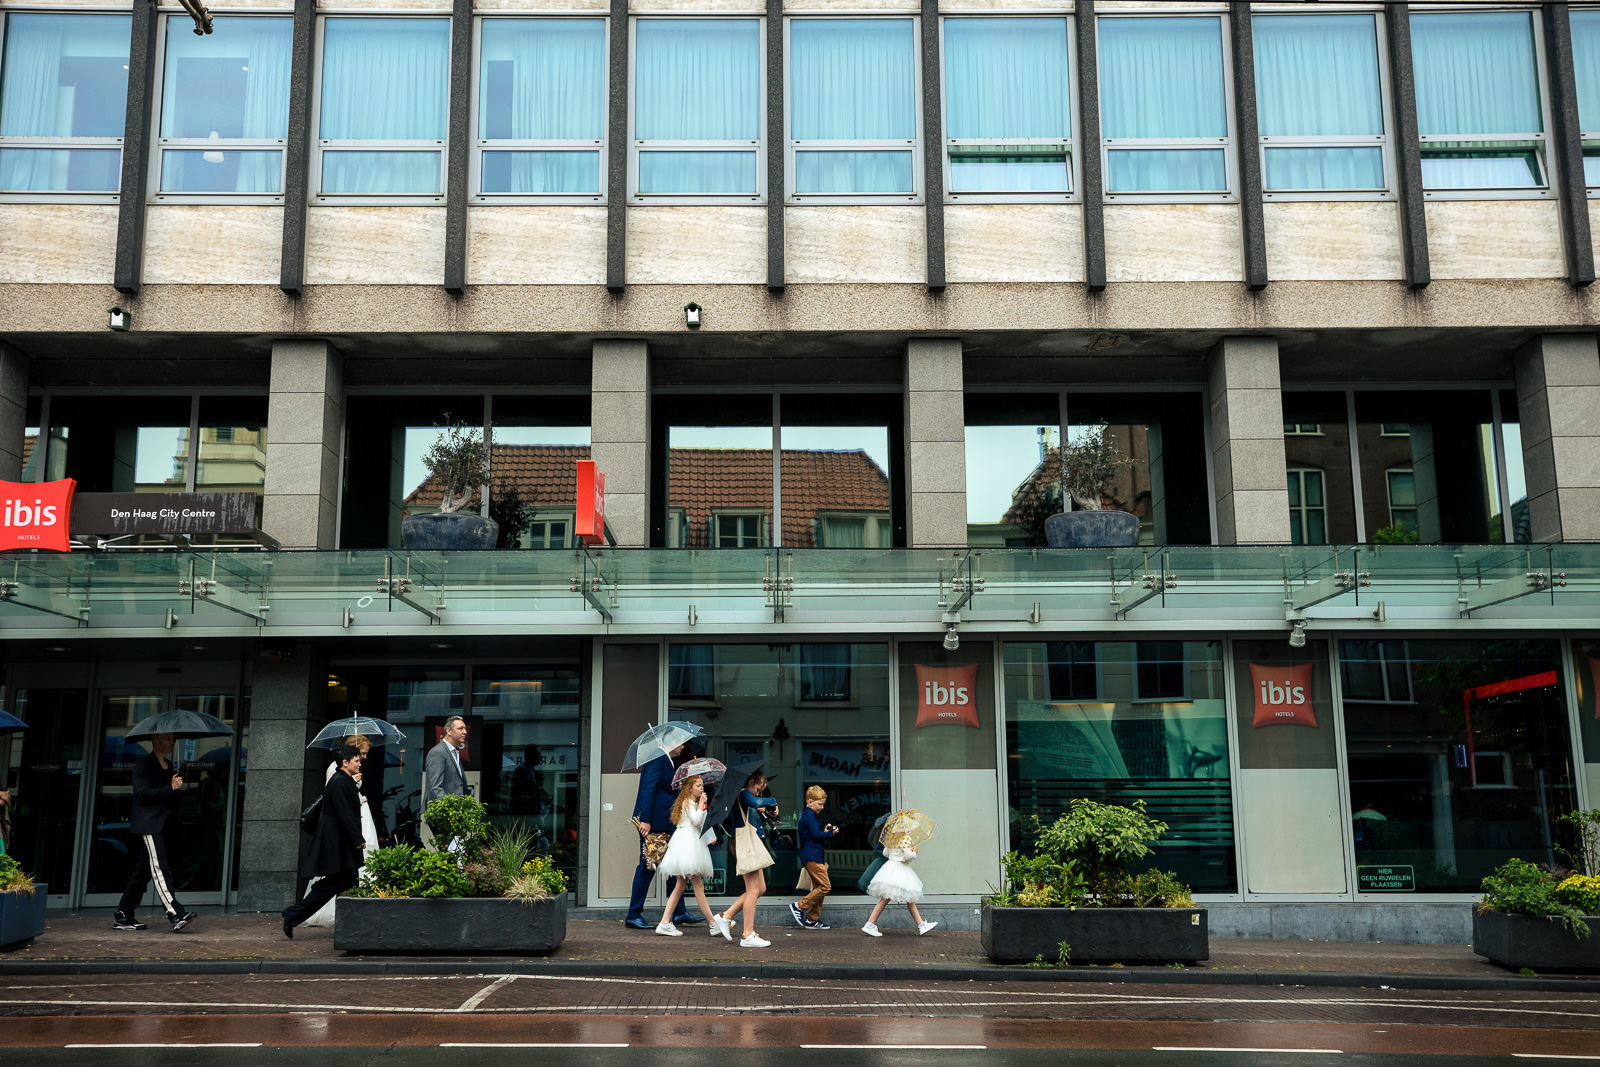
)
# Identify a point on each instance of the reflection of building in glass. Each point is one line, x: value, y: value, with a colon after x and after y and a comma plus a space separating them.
x: 1041, y: 495
x: 719, y: 497
x: 232, y: 459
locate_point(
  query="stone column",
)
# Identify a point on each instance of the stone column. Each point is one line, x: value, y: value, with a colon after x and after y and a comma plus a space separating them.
x: 13, y: 412
x: 288, y: 690
x: 1247, y: 456
x: 1558, y: 401
x: 936, y: 452
x: 305, y: 426
x: 619, y: 436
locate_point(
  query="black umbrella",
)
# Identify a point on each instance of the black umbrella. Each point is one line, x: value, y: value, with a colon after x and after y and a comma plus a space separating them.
x: 727, y: 794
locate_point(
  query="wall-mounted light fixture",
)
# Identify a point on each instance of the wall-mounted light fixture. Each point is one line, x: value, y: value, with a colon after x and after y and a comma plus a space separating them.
x: 120, y: 319
x: 952, y: 640
x: 1297, y: 634
x: 691, y: 315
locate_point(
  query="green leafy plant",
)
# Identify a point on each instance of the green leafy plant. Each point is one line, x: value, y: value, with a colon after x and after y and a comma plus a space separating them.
x: 544, y: 869
x: 458, y: 818
x: 1395, y: 534
x: 13, y: 879
x: 1081, y: 860
x: 512, y: 846
x: 404, y: 871
x: 459, y: 462
x: 1522, y: 888
x: 1089, y: 467
x: 1586, y: 825
x: 1580, y: 891
x: 1063, y: 953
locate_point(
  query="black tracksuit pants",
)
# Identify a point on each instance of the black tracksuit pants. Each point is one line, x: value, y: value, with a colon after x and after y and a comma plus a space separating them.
x: 152, y: 864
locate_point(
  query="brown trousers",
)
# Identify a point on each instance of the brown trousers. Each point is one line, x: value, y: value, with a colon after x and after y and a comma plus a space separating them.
x: 811, y: 903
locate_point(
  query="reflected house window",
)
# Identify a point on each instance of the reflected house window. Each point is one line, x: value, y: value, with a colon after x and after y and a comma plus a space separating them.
x: 1112, y: 721
x: 541, y: 107
x: 1437, y: 477
x: 738, y: 530
x: 824, y: 672
x: 692, y: 672
x: 225, y: 106
x: 1459, y: 755
x: 63, y: 102
x: 1308, y: 512
x: 1402, y: 499
x: 1013, y: 477
x: 1307, y: 429
x: 1322, y: 498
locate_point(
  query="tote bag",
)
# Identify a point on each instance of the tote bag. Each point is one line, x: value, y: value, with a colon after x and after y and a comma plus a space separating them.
x: 751, y: 855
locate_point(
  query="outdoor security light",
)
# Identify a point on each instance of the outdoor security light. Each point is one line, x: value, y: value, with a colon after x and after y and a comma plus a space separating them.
x: 691, y: 315
x: 952, y: 640
x: 121, y: 319
x: 1297, y: 634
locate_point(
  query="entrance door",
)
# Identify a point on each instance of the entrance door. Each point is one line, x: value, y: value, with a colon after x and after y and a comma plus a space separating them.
x: 201, y: 846
x: 45, y: 772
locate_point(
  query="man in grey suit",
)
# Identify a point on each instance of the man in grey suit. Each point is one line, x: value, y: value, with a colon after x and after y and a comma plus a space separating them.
x: 443, y: 767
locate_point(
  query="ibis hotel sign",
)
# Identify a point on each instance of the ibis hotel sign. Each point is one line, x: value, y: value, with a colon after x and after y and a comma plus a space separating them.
x: 35, y: 514
x: 43, y: 515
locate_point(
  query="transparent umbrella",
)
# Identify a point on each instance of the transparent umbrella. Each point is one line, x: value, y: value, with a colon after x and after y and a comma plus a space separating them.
x: 179, y: 724
x: 657, y: 741
x: 333, y: 734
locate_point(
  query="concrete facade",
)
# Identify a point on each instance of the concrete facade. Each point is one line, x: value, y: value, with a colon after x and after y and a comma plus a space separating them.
x: 619, y: 436
x: 936, y: 467
x: 1558, y: 397
x: 306, y: 415
x: 1247, y: 456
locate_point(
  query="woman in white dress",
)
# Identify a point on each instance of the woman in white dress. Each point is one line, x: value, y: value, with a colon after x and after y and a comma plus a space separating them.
x: 688, y: 859
x: 369, y: 832
x: 896, y: 883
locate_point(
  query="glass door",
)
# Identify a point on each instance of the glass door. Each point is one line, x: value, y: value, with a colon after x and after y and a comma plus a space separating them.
x: 111, y: 845
x: 45, y: 775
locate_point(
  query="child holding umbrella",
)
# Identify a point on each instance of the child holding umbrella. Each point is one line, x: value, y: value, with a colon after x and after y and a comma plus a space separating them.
x: 687, y: 857
x: 895, y: 881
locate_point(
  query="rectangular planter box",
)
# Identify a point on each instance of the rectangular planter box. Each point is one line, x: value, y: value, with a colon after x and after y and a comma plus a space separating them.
x: 1099, y: 935
x: 22, y: 916
x: 1534, y: 941
x: 462, y: 926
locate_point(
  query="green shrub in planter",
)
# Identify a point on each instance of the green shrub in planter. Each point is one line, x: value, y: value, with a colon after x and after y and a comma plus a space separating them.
x: 458, y: 818
x: 13, y: 879
x: 403, y: 871
x: 1081, y: 860
x: 1522, y: 888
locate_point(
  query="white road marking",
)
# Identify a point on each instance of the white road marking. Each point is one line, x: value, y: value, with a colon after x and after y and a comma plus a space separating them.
x: 483, y: 994
x: 1216, y: 1048
x: 1548, y: 1056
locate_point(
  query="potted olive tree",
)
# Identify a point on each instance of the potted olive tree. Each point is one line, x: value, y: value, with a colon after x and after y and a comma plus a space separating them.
x: 458, y: 463
x: 1090, y: 465
x: 1546, y: 918
x: 21, y: 904
x: 475, y: 890
x: 1072, y: 898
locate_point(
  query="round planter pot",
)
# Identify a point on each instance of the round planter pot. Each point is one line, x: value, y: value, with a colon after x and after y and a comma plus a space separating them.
x: 1092, y: 529
x: 439, y: 530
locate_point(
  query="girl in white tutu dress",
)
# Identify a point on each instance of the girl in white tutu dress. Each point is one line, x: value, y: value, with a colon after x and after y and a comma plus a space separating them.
x: 896, y: 883
x: 687, y: 858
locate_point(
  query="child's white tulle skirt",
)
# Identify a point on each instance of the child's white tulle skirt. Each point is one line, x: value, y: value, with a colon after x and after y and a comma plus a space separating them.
x: 897, y: 883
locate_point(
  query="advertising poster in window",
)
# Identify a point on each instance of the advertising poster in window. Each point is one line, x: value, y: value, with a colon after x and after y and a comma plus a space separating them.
x: 1285, y: 706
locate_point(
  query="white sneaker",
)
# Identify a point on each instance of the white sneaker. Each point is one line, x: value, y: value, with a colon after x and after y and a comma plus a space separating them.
x: 924, y: 927
x: 719, y: 925
x: 871, y: 930
x: 753, y: 941
x: 668, y: 930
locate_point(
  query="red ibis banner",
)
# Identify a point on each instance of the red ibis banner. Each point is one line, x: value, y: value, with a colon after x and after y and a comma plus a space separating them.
x: 591, y: 521
x: 947, y: 696
x: 1283, y: 695
x: 36, y: 514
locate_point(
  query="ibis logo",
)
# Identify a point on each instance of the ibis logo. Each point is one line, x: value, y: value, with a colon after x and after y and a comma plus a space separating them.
x: 1283, y: 695
x: 947, y: 696
x: 36, y: 514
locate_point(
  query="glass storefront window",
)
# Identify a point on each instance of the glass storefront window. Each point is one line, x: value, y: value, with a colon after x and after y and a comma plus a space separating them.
x: 537, y: 443
x: 818, y: 714
x: 112, y: 446
x: 528, y: 750
x: 1012, y: 486
x: 1459, y: 758
x: 1163, y: 438
x: 836, y: 491
x: 1116, y: 721
x: 1586, y: 684
x: 718, y: 477
x: 1427, y: 467
x: 1515, y: 498
x: 44, y: 772
x: 384, y: 477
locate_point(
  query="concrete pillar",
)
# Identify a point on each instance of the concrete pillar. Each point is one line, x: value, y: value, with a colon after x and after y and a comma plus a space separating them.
x: 1247, y: 456
x: 619, y: 436
x: 305, y: 427
x: 1558, y: 401
x: 288, y: 690
x: 13, y: 411
x: 936, y: 452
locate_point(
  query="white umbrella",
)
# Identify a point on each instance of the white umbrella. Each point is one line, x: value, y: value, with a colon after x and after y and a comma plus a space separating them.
x: 333, y: 734
x: 658, y: 741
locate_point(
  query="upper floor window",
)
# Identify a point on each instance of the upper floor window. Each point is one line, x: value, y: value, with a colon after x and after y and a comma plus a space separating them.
x: 1319, y: 100
x: 224, y: 108
x: 1164, y: 114
x: 1586, y: 66
x: 697, y: 107
x: 1007, y: 107
x: 63, y: 102
x: 852, y: 98
x: 384, y: 94
x: 1479, y: 114
x: 1308, y: 511
x: 541, y: 109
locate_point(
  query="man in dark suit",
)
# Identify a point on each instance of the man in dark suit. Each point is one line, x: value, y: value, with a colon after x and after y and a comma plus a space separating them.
x: 336, y: 846
x: 156, y: 785
x: 653, y: 809
x: 443, y: 766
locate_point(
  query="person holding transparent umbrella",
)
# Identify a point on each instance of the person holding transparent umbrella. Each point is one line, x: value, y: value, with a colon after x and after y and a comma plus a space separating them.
x: 654, y: 754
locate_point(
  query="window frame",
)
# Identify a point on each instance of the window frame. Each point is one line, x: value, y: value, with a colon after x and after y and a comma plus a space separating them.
x: 321, y: 146
x: 1072, y: 146
x: 1229, y: 144
x: 159, y: 145
x: 1541, y: 141
x: 480, y: 145
x: 1384, y: 141
x: 1587, y: 139
x: 1298, y: 514
x: 763, y: 528
x: 913, y: 147
x: 21, y: 196
x: 759, y: 145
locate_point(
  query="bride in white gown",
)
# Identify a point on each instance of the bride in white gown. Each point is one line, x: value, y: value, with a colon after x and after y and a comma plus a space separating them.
x: 369, y: 836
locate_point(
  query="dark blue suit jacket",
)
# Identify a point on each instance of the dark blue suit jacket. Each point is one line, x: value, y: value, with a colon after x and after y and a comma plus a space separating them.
x: 656, y: 795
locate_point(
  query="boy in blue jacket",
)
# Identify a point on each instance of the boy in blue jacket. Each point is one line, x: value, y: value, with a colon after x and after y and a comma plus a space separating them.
x: 807, y: 914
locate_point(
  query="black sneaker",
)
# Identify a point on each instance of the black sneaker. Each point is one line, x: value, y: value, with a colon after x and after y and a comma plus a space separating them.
x: 818, y: 925
x: 126, y: 922
x: 180, y: 921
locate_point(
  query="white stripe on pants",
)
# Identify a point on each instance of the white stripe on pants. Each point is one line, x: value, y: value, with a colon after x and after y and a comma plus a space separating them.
x: 159, y: 876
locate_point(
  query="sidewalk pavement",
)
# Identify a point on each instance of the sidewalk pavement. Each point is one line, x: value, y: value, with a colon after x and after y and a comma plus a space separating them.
x: 247, y: 943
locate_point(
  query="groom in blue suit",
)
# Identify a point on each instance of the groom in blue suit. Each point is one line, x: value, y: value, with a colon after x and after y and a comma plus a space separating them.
x: 653, y: 809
